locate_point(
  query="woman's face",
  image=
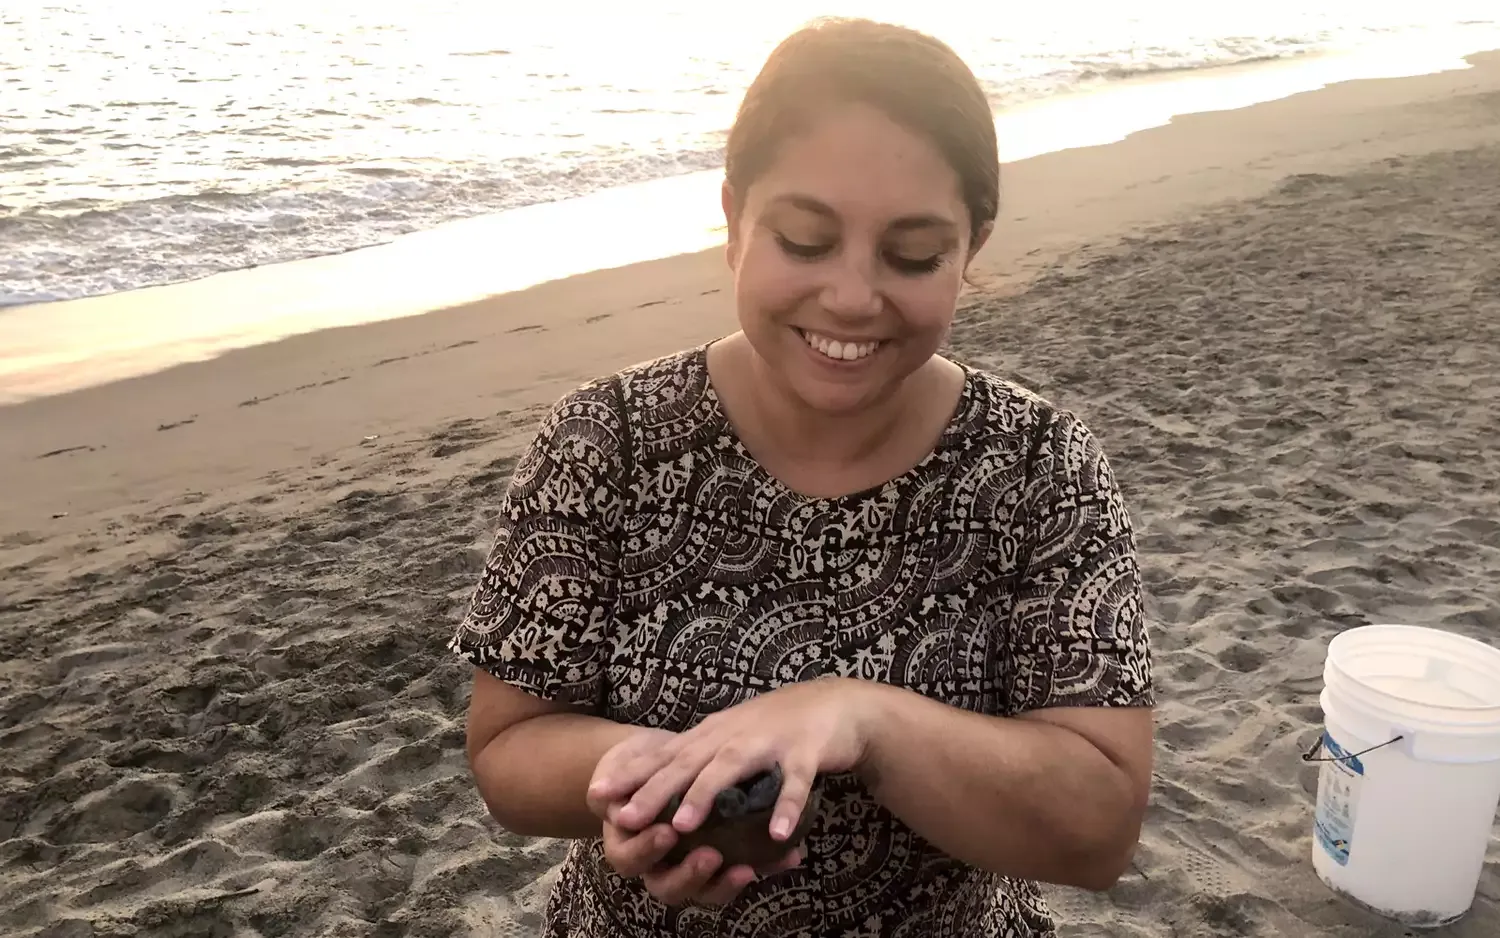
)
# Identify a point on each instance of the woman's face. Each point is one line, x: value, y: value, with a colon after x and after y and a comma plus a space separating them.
x: 849, y: 254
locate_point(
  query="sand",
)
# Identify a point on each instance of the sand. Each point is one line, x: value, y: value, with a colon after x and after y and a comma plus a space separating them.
x: 225, y: 706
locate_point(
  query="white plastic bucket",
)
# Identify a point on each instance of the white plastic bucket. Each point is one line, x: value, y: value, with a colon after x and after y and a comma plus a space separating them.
x: 1401, y: 827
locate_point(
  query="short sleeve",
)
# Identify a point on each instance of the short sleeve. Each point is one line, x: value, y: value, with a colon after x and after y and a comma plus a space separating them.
x: 1077, y: 634
x: 539, y: 618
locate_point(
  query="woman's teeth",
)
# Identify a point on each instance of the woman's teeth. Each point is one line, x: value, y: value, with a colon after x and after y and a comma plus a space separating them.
x: 839, y: 351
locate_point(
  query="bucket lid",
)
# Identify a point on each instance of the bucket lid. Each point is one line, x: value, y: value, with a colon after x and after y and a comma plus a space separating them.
x: 1427, y: 674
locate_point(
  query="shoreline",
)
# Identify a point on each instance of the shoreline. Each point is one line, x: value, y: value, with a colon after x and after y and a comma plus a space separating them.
x: 69, y: 345
x: 219, y: 425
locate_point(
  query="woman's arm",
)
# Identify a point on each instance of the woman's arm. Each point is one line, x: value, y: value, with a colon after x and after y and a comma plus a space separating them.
x: 532, y: 759
x: 538, y: 626
x: 1057, y: 795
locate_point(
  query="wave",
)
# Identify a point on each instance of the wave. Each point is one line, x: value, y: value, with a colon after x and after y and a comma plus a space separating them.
x: 323, y: 203
x: 81, y: 248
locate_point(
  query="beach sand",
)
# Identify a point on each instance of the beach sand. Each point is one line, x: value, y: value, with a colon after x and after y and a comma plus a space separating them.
x: 225, y: 705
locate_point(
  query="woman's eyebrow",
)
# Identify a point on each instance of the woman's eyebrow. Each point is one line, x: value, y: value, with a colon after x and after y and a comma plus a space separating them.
x: 905, y: 223
x: 920, y: 222
x: 805, y: 202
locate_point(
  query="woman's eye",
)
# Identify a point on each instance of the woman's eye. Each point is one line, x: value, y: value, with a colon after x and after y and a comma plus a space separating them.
x: 898, y: 262
x: 914, y: 265
x: 798, y: 249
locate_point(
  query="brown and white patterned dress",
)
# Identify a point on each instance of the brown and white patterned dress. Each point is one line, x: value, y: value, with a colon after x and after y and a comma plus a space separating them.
x: 648, y: 569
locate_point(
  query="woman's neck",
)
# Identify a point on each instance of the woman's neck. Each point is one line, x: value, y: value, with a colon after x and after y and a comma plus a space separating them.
x: 821, y: 453
x: 823, y: 437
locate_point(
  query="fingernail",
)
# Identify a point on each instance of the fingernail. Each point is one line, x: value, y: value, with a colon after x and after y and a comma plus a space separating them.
x: 685, y: 818
x: 664, y: 839
x: 599, y: 787
x: 780, y: 828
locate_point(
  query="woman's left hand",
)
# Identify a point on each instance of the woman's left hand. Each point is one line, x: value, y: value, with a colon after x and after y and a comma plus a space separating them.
x: 810, y: 728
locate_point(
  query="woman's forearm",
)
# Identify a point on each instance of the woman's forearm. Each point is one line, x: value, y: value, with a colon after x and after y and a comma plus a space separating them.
x: 1021, y: 798
x: 534, y: 775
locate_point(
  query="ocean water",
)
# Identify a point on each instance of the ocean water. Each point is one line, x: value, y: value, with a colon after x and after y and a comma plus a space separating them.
x: 143, y: 144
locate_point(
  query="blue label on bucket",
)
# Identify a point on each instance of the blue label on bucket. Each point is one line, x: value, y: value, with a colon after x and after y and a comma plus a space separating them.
x: 1339, y: 782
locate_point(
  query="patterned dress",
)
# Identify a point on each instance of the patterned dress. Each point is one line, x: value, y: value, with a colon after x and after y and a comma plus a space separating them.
x: 649, y: 570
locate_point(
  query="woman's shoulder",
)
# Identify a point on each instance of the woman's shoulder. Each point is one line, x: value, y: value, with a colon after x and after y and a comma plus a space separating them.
x: 1007, y: 420
x: 658, y: 382
x: 1001, y: 416
x: 602, y: 421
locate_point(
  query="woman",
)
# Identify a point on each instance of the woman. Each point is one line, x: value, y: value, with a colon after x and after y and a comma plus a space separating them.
x: 818, y: 543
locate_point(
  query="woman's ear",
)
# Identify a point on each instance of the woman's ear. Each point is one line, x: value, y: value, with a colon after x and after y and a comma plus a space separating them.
x: 980, y: 237
x: 731, y: 225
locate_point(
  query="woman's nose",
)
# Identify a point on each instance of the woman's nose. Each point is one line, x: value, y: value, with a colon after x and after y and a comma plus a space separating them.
x: 851, y: 291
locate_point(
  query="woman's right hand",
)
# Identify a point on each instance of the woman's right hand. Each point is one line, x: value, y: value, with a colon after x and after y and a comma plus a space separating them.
x: 631, y: 852
x: 639, y: 852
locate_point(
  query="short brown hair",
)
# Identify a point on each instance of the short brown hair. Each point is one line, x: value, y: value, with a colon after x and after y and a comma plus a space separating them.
x: 915, y: 79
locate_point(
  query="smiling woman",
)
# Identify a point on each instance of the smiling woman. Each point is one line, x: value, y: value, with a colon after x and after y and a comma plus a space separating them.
x: 818, y: 544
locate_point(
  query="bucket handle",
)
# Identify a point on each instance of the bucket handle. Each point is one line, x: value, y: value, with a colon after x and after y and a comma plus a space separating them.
x: 1311, y: 755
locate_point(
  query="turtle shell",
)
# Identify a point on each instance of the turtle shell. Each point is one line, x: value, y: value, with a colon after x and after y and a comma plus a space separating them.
x: 739, y: 826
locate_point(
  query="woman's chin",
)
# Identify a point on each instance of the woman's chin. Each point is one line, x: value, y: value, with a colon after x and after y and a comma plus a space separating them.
x: 840, y: 397
x: 834, y: 387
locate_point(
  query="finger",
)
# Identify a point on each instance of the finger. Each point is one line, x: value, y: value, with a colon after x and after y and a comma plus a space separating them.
x: 598, y: 805
x: 729, y: 767
x: 722, y: 889
x: 797, y: 775
x: 653, y: 794
x: 687, y: 879
x: 616, y: 809
x: 606, y: 800
x: 619, y: 779
x: 635, y: 854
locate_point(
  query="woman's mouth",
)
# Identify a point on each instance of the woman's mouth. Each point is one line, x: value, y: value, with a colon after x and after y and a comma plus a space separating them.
x: 839, y: 350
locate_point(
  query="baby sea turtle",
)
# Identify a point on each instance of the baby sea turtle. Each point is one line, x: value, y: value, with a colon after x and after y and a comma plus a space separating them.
x: 739, y: 824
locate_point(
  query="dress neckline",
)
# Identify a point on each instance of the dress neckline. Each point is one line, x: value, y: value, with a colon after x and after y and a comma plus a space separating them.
x: 728, y: 439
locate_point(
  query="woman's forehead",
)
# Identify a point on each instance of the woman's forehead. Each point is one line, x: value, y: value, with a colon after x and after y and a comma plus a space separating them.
x: 856, y: 161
